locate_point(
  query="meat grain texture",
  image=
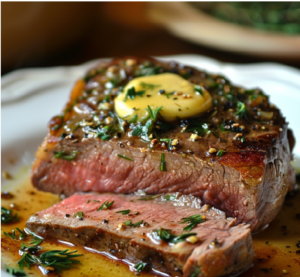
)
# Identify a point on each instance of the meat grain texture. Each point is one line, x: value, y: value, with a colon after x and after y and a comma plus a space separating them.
x: 220, y: 247
x: 248, y: 181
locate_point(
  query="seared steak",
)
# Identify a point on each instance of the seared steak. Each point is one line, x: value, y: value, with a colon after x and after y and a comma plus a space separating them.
x: 216, y: 248
x: 235, y: 156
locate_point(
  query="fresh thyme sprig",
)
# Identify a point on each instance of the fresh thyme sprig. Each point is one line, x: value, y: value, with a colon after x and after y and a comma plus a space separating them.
x: 7, y: 216
x: 192, y: 221
x: 55, y: 258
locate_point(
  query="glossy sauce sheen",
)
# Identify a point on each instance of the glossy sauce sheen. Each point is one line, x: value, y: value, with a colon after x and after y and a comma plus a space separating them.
x: 275, y: 247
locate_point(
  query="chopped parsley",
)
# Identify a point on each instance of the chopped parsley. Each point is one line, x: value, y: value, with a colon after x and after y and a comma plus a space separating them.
x: 105, y: 205
x: 168, y: 94
x: 65, y: 156
x: 133, y: 119
x: 192, y: 221
x: 124, y: 212
x: 124, y: 157
x: 153, y: 114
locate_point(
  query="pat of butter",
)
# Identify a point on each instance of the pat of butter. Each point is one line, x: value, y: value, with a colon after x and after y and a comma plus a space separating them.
x: 177, y: 96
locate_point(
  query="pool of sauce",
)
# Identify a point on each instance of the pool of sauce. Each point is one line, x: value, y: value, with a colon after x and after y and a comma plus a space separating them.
x: 276, y: 247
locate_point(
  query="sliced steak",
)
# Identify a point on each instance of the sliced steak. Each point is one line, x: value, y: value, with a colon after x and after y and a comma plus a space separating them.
x: 235, y: 157
x: 217, y: 247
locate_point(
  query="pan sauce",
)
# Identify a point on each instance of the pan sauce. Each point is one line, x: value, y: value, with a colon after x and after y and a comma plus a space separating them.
x: 275, y: 247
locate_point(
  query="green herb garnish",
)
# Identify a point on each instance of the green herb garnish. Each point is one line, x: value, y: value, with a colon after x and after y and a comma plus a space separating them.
x: 148, y: 70
x: 153, y: 114
x: 65, y: 156
x: 192, y: 221
x: 140, y: 266
x: 198, y: 89
x: 242, y: 110
x: 168, y: 140
x: 163, y: 164
x: 96, y: 201
x: 220, y: 153
x: 149, y: 197
x: 149, y: 86
x: 105, y: 205
x: 55, y: 258
x: 15, y: 272
x: 123, y: 212
x: 131, y: 93
x: 169, y: 197
x: 133, y: 119
x: 104, y: 132
x: 79, y: 215
x: 11, y: 235
x: 124, y: 157
x: 88, y: 201
x: 165, y: 235
x: 168, y: 94
x: 134, y: 225
x: 7, y: 216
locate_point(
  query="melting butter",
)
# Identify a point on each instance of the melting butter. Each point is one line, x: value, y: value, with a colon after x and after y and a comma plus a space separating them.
x: 177, y: 96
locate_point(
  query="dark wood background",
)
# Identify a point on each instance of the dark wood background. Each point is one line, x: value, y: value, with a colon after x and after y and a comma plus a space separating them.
x: 42, y: 34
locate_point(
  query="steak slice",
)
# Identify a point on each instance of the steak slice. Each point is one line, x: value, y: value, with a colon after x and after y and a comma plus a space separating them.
x: 235, y: 157
x: 217, y: 247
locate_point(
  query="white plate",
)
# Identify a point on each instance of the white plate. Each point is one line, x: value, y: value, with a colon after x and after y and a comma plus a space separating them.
x: 30, y: 97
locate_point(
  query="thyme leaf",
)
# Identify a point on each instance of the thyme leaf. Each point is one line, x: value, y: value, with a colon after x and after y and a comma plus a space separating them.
x: 124, y: 212
x: 124, y: 157
x: 79, y: 215
x: 146, y: 198
x: 105, y: 205
x: 65, y: 156
x: 165, y: 235
x: 192, y: 221
x: 134, y: 225
x: 140, y: 266
x: 169, y: 197
x: 163, y: 164
x: 242, y: 110
x: 149, y: 86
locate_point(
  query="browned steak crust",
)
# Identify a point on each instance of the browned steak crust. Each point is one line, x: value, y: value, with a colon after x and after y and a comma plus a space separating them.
x: 249, y: 180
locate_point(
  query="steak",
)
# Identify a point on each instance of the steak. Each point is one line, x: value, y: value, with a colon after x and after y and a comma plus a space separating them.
x: 214, y: 247
x: 235, y: 156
